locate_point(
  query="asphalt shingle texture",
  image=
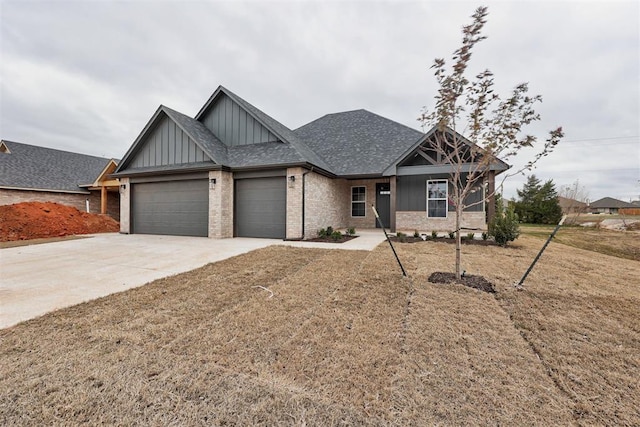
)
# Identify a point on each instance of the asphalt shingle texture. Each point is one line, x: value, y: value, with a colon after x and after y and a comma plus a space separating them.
x: 358, y: 142
x: 33, y: 167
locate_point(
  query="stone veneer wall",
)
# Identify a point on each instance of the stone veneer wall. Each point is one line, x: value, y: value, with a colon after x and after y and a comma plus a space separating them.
x: 78, y: 201
x: 326, y: 204
x: 411, y: 221
x: 221, y: 205
x: 125, y: 206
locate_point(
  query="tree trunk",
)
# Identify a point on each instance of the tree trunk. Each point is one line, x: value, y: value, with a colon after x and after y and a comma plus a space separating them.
x: 458, y: 240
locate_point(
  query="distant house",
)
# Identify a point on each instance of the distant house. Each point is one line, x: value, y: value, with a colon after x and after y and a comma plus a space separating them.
x: 572, y: 206
x: 29, y: 173
x: 609, y: 205
x: 234, y: 171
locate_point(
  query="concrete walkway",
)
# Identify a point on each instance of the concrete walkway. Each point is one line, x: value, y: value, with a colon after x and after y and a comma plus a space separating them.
x: 41, y: 278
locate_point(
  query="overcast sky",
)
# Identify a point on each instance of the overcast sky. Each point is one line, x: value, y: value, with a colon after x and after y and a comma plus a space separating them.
x: 86, y: 76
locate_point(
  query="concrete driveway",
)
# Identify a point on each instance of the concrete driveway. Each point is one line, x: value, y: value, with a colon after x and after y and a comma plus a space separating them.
x: 41, y: 278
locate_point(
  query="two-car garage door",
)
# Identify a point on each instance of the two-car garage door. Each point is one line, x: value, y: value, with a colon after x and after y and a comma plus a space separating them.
x: 179, y: 208
x: 182, y: 207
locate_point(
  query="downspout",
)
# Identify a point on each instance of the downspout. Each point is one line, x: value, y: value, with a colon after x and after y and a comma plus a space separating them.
x: 303, y: 205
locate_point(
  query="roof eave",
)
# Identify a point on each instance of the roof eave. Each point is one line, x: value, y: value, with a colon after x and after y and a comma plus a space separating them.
x: 48, y: 190
x: 133, y: 173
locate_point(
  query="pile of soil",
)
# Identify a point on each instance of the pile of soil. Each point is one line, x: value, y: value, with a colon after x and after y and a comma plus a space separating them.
x: 33, y: 220
x: 476, y: 282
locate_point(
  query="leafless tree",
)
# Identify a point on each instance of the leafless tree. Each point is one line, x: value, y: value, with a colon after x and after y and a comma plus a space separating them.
x: 493, y: 126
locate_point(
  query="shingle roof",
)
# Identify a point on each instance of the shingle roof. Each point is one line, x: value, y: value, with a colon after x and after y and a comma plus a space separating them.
x: 33, y: 167
x: 358, y: 142
x: 263, y: 154
x: 304, y: 153
x: 610, y: 202
x: 209, y: 143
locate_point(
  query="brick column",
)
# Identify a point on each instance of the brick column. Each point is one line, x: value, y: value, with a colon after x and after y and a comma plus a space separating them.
x: 294, y: 203
x: 125, y: 206
x: 220, y: 204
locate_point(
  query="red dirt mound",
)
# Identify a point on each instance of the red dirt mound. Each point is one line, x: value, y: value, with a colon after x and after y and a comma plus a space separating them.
x: 33, y: 220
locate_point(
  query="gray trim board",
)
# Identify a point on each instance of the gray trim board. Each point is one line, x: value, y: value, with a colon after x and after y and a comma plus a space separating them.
x: 166, y: 178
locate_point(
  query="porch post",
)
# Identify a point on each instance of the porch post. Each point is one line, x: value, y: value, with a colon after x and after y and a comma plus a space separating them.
x: 491, y: 203
x: 392, y: 208
x: 103, y: 199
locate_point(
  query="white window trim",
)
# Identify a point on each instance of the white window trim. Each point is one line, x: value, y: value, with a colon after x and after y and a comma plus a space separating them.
x: 364, y: 202
x: 446, y: 199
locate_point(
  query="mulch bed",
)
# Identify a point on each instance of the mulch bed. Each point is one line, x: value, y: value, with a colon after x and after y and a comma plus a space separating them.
x: 476, y: 282
x: 329, y: 239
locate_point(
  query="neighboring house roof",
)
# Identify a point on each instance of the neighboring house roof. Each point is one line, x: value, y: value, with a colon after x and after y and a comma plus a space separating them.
x: 566, y: 203
x: 29, y: 167
x: 346, y: 139
x: 610, y: 202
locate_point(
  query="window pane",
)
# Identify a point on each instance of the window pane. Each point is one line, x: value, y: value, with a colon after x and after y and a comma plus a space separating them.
x: 437, y: 190
x: 437, y: 208
x: 357, y: 209
x: 357, y: 194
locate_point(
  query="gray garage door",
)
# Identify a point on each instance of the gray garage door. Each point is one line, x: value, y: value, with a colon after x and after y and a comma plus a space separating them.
x: 179, y: 208
x: 261, y: 207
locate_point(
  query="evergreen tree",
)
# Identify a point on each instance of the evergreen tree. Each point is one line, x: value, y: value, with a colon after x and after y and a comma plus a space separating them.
x: 504, y: 227
x: 538, y: 203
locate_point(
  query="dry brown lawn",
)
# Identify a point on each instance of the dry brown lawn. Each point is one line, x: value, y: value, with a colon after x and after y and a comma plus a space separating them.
x: 344, y: 340
x: 621, y: 244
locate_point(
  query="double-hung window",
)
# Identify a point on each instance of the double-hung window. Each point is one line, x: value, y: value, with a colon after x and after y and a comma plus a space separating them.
x: 437, y: 198
x: 358, y: 199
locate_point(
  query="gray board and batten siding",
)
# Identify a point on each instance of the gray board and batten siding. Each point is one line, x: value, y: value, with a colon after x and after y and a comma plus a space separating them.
x: 167, y: 144
x: 179, y: 208
x: 233, y: 125
x: 411, y: 193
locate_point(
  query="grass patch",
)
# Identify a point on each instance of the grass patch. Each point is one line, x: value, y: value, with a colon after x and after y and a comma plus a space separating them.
x: 343, y: 340
x: 608, y: 242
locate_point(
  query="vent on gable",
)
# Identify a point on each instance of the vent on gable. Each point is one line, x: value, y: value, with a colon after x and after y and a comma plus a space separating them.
x: 4, y: 149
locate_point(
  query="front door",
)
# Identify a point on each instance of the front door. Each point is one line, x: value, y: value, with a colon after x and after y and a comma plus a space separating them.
x: 383, y: 203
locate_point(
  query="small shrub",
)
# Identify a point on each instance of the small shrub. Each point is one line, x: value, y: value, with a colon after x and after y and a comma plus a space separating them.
x: 336, y: 235
x: 452, y: 234
x: 471, y: 236
x: 416, y: 234
x: 401, y: 236
x: 329, y: 230
x: 434, y: 234
x: 351, y: 231
x: 485, y: 235
x: 322, y: 233
x: 504, y: 227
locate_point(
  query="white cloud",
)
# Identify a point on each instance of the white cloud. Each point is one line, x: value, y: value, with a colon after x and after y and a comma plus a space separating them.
x: 86, y: 76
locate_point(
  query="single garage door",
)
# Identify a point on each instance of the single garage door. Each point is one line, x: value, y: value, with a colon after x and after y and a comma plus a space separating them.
x: 261, y: 207
x: 179, y: 208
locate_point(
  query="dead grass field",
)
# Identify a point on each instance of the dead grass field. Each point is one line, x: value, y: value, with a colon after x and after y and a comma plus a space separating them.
x: 622, y: 244
x: 344, y: 340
